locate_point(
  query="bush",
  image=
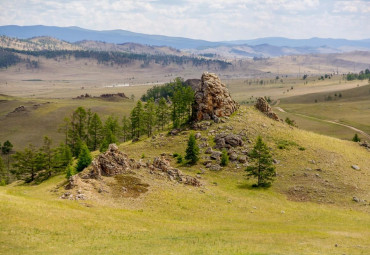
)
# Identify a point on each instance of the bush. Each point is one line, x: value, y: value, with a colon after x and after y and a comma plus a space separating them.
x: 175, y: 155
x: 356, y: 138
x: 179, y: 159
x: 224, y: 158
x: 291, y: 122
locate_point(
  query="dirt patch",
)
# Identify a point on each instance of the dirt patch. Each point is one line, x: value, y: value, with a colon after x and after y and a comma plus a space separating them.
x: 128, y: 186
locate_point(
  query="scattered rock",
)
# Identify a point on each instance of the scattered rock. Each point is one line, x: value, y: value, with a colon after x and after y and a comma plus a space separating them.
x: 233, y: 156
x: 175, y: 132
x: 198, y: 135
x: 356, y: 167
x: 312, y: 161
x: 242, y: 159
x: 275, y: 161
x: 212, y: 99
x: 215, y: 167
x: 263, y: 106
x: 215, y: 155
x: 356, y: 199
x: 227, y: 141
x: 208, y: 150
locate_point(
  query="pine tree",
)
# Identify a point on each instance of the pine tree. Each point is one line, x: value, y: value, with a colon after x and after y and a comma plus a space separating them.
x: 70, y: 171
x: 162, y: 113
x: 150, y: 116
x: 192, y: 151
x: 126, y: 127
x: 356, y: 138
x: 84, y: 158
x: 109, y: 139
x: 136, y: 118
x: 27, y: 163
x: 95, y: 131
x: 3, y: 174
x: 6, y: 149
x: 262, y: 168
x: 47, y: 156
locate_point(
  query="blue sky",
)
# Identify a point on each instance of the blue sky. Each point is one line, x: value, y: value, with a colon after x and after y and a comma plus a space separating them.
x: 215, y: 20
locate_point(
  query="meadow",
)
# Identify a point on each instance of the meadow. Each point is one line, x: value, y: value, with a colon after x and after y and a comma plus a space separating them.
x: 224, y: 216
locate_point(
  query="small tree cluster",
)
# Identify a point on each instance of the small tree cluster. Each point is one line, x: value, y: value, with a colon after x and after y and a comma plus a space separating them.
x: 32, y: 161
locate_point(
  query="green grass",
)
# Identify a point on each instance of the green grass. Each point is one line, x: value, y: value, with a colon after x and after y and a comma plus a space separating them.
x: 228, y: 218
x: 353, y: 109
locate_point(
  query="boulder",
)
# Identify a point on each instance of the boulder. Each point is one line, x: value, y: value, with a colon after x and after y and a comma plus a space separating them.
x: 233, y: 156
x: 216, y: 155
x: 242, y: 159
x: 356, y: 167
x: 224, y: 140
x: 212, y: 99
x: 263, y: 106
x: 215, y: 167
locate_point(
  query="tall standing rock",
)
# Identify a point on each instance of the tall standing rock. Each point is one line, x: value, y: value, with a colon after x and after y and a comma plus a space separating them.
x: 263, y: 106
x: 212, y: 99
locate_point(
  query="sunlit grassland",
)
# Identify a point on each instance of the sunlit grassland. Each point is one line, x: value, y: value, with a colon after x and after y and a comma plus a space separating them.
x: 225, y: 216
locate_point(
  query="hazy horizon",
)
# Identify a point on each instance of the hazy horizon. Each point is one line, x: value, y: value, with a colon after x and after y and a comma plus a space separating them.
x: 214, y: 20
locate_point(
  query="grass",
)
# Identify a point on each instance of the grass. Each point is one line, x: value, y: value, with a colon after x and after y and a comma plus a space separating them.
x: 228, y: 218
x: 353, y: 109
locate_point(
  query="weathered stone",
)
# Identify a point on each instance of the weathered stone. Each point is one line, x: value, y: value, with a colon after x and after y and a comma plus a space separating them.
x: 356, y: 199
x: 263, y: 106
x: 224, y: 140
x: 242, y: 159
x: 356, y: 167
x: 275, y: 161
x: 198, y: 135
x: 216, y: 155
x: 233, y: 156
x: 208, y: 150
x: 215, y: 167
x: 212, y: 99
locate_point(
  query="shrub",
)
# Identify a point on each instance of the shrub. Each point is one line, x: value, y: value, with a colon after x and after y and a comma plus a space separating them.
x: 70, y: 171
x: 291, y: 122
x: 179, y: 159
x: 356, y: 138
x: 224, y: 158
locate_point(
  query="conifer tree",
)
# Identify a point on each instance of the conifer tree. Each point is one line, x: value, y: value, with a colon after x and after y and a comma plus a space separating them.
x: 109, y: 139
x: 162, y: 113
x: 47, y: 156
x: 84, y: 158
x: 150, y: 116
x: 136, y: 118
x: 262, y: 169
x: 126, y: 127
x: 192, y: 151
x: 356, y: 138
x: 95, y: 131
x: 3, y: 174
x: 27, y: 162
x: 6, y: 149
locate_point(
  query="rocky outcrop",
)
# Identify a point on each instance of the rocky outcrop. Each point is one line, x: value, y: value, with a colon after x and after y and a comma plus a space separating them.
x: 162, y: 164
x: 111, y: 163
x: 263, y: 106
x: 212, y: 99
x: 115, y: 163
x: 227, y: 141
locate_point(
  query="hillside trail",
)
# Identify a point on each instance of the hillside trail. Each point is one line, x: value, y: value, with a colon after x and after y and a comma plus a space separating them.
x: 324, y: 120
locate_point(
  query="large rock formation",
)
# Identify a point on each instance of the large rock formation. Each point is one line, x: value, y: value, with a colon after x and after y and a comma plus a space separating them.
x: 212, y: 99
x: 263, y: 106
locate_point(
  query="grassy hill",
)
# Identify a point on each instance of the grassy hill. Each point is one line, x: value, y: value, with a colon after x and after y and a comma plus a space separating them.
x: 348, y: 107
x: 306, y: 211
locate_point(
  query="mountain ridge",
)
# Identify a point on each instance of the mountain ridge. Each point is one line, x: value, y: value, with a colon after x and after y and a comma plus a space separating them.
x: 118, y: 36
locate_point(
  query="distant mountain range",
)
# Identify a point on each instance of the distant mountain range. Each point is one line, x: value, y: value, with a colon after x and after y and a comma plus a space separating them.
x: 75, y: 34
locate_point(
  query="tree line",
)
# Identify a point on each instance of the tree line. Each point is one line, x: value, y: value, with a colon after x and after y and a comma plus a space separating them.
x: 362, y: 75
x: 119, y: 58
x: 84, y: 131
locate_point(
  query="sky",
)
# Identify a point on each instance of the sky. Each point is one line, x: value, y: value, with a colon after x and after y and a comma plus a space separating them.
x: 213, y: 20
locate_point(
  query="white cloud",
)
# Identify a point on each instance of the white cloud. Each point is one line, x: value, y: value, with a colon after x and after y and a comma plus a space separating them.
x: 204, y: 19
